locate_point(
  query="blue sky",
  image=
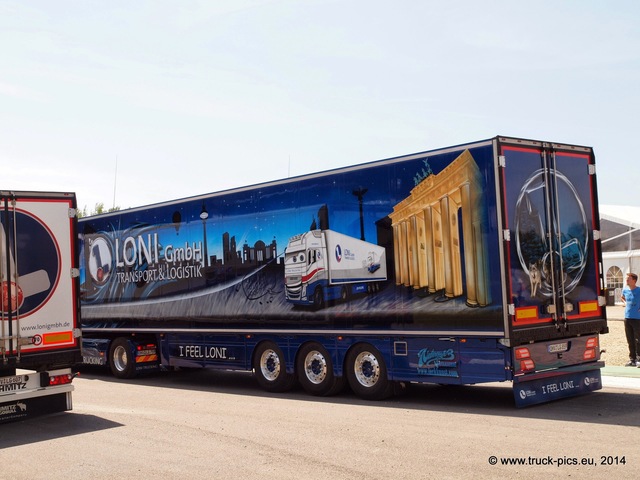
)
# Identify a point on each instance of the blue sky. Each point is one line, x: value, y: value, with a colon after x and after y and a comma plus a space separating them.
x: 146, y: 101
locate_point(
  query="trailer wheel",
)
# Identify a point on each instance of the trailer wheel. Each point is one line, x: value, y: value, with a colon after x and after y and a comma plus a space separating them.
x: 122, y: 359
x: 270, y: 368
x: 318, y: 299
x: 315, y: 371
x: 344, y: 293
x: 367, y: 373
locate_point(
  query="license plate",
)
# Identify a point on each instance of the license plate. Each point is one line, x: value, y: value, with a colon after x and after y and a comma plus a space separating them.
x: 12, y: 380
x: 558, y: 347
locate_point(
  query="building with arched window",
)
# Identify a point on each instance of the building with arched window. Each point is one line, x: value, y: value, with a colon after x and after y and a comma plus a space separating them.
x: 620, y: 234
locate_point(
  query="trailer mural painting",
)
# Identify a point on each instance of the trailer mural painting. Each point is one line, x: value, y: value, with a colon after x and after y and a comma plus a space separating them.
x: 323, y: 265
x: 225, y: 255
x: 468, y: 264
x: 545, y: 266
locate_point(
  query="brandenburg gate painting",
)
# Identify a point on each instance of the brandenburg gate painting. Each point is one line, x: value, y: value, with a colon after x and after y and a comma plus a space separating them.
x: 426, y: 234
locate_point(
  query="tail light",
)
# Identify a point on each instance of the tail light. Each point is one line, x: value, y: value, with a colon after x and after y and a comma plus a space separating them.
x: 591, y: 349
x: 527, y: 364
x: 524, y: 355
x: 54, y: 380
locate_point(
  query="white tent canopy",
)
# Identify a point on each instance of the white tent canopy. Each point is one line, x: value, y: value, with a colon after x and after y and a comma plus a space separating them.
x: 617, y: 264
x: 624, y: 215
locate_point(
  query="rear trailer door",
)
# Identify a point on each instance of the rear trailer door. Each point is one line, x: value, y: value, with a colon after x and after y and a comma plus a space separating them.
x: 553, y: 269
x: 553, y: 250
x: 37, y: 264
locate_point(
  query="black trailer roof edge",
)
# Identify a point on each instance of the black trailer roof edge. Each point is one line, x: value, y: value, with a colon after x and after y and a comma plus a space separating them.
x: 34, y: 194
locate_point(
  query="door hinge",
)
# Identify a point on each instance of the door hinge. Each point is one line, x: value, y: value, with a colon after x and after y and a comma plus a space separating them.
x: 75, y: 272
x: 502, y: 161
x: 506, y: 235
x: 73, y: 212
x: 596, y: 235
x: 592, y: 169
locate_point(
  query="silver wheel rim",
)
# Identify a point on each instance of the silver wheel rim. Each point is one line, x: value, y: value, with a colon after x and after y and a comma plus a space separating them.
x: 120, y: 358
x: 315, y: 367
x: 270, y: 365
x: 367, y: 369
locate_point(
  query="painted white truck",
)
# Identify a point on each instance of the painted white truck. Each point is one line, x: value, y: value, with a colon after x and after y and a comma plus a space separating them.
x: 323, y: 265
x: 39, y: 306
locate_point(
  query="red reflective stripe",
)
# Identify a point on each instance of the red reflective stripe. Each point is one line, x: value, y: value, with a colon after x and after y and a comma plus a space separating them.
x: 146, y: 358
x: 306, y: 278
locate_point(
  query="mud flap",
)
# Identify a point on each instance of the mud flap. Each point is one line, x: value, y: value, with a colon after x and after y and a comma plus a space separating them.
x: 542, y: 390
x: 23, y: 408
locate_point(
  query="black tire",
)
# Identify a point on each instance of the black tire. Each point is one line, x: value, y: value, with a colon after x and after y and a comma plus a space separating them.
x: 344, y: 293
x: 367, y: 373
x: 315, y: 371
x: 318, y: 299
x: 270, y: 369
x: 122, y: 358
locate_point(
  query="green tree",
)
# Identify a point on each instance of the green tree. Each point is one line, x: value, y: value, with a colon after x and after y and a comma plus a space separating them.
x: 97, y: 210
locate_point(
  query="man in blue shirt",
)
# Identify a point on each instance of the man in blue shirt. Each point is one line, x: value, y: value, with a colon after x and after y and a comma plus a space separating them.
x: 631, y: 300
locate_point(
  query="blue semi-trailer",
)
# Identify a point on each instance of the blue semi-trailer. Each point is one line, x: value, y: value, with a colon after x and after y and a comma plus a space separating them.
x: 474, y: 263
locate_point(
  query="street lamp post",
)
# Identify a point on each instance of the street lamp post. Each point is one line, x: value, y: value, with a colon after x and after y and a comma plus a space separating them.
x: 360, y: 194
x: 203, y: 216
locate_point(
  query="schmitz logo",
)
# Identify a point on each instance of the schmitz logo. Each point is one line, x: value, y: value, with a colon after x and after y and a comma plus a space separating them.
x: 34, y: 263
x: 12, y: 409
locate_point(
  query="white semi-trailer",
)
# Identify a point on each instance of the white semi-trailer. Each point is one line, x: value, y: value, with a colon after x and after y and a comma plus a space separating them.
x: 323, y: 265
x: 39, y: 329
